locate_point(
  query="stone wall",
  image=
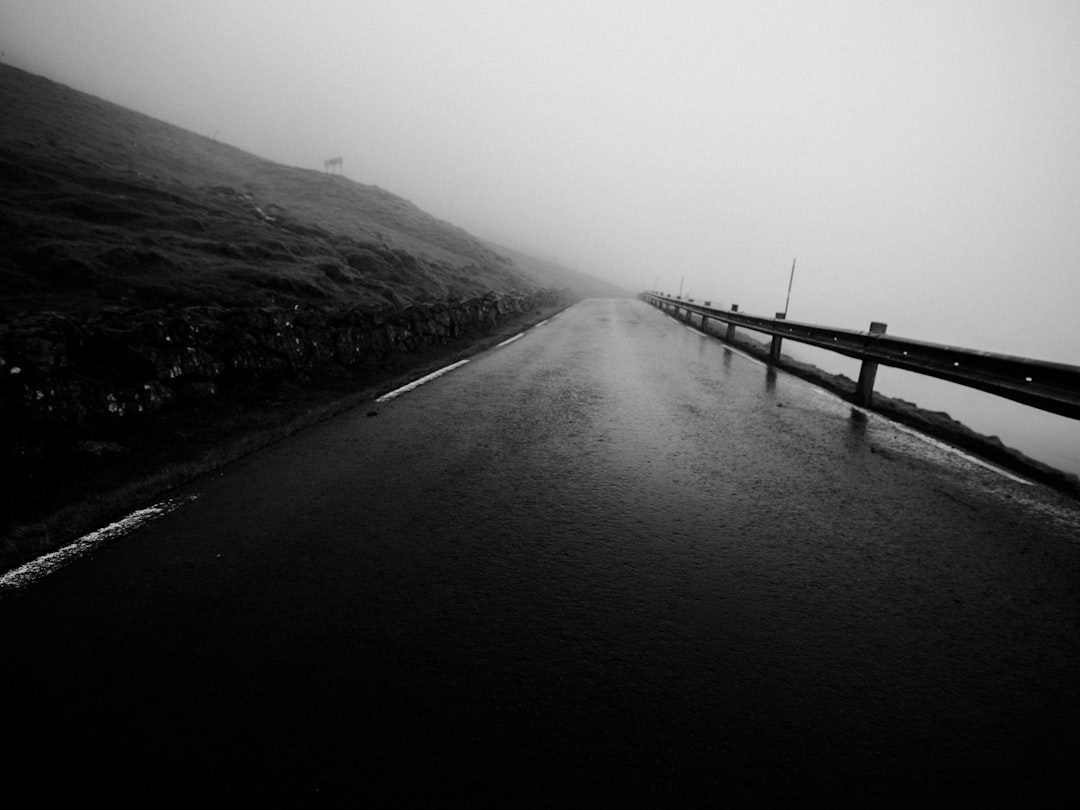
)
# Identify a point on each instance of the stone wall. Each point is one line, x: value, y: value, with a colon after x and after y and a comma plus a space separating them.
x: 57, y: 369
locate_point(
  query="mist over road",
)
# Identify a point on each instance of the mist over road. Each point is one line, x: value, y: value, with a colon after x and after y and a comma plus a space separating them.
x: 612, y: 561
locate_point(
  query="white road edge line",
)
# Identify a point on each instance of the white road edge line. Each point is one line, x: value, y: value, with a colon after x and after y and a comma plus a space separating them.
x: 510, y: 340
x: 929, y: 439
x: 46, y: 564
x: 899, y: 425
x: 417, y: 383
x: 745, y: 356
x: 954, y: 450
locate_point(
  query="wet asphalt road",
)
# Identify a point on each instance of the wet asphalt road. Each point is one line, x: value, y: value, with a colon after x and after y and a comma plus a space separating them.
x: 612, y: 562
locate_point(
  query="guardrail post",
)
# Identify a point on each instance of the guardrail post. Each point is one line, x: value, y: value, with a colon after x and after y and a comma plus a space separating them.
x: 864, y: 391
x: 774, y: 348
x: 731, y: 327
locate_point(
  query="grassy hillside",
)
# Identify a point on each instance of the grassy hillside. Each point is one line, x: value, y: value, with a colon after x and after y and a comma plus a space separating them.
x: 169, y: 303
x: 105, y: 206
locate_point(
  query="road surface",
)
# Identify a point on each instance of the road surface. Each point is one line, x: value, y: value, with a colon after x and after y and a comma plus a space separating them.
x: 612, y: 562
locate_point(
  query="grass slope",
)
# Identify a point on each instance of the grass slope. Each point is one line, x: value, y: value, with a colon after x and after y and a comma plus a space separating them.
x: 102, y: 205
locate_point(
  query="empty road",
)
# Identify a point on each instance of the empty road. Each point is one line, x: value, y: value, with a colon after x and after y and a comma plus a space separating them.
x: 612, y: 562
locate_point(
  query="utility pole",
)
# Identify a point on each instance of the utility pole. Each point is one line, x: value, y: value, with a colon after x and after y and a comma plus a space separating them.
x: 791, y: 278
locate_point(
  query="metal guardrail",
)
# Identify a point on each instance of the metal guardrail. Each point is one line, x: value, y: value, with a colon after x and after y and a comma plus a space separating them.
x: 1053, y: 387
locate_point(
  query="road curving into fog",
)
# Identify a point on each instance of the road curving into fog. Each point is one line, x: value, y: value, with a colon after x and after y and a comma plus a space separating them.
x: 612, y: 562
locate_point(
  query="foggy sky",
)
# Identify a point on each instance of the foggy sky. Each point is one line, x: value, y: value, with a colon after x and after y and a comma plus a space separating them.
x: 921, y: 159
